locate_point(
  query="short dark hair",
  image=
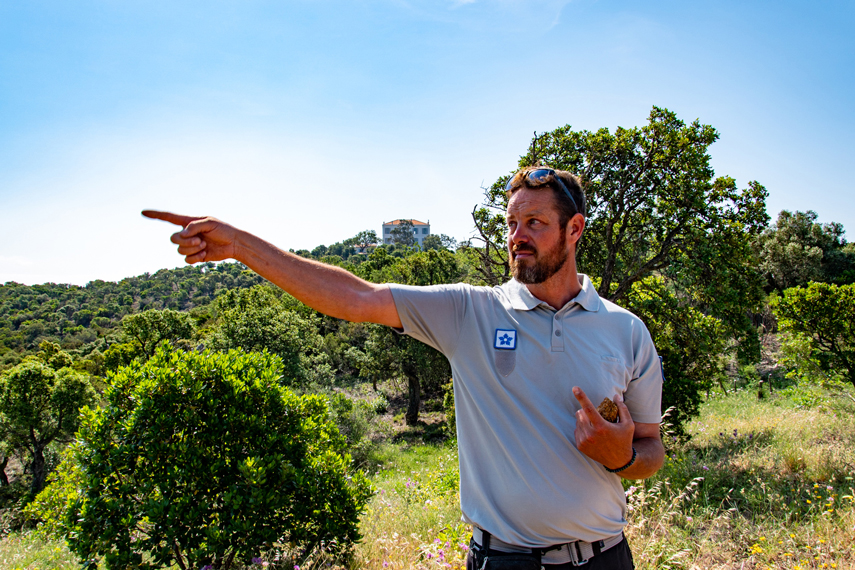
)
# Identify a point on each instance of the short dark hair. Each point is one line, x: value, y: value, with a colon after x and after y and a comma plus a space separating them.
x: 565, y: 207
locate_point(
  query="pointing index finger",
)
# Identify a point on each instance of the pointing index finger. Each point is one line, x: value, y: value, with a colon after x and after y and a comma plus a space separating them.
x: 587, y: 405
x: 176, y: 219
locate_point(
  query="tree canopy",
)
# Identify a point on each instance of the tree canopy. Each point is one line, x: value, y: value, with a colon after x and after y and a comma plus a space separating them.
x: 40, y: 405
x: 823, y: 316
x: 797, y: 249
x: 256, y: 320
x: 403, y: 233
x: 389, y: 354
x: 655, y: 208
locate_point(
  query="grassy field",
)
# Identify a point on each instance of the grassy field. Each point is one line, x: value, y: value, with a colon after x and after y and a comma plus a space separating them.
x: 760, y: 484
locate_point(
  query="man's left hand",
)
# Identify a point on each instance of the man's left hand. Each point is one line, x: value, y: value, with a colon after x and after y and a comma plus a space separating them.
x: 601, y: 440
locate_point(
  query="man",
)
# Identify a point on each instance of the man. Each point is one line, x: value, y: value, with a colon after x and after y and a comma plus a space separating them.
x: 539, y: 470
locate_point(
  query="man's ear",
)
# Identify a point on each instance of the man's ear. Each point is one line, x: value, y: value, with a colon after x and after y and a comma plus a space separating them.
x: 575, y: 227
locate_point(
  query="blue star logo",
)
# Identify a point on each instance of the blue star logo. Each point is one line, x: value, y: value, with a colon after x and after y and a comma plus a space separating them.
x: 505, y: 339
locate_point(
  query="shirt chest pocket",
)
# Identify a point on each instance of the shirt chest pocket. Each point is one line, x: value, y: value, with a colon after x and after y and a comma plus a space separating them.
x: 614, y: 368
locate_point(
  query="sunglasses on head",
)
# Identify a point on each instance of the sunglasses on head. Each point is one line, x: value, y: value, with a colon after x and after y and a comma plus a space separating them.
x: 539, y: 177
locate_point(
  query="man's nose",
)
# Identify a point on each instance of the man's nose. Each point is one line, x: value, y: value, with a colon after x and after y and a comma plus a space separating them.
x: 518, y: 235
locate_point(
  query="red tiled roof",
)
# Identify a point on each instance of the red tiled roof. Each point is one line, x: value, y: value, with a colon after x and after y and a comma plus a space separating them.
x: 396, y: 222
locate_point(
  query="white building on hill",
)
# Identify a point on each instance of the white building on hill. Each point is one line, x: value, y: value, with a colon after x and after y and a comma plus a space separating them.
x: 421, y: 230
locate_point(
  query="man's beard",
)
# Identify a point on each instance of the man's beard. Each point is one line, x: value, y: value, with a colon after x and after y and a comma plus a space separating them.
x: 539, y: 268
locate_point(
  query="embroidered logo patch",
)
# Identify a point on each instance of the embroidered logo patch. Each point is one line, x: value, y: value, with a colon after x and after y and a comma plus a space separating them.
x: 506, y: 339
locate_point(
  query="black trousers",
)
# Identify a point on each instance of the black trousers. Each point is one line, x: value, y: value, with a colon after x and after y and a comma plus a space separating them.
x: 617, y: 557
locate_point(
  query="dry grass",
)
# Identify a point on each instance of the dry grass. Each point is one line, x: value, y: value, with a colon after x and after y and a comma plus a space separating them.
x: 760, y: 484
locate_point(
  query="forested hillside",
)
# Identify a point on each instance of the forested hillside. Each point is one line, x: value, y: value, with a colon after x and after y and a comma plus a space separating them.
x: 84, y: 319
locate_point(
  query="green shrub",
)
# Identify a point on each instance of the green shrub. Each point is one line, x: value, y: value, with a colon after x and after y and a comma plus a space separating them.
x: 49, y: 508
x: 354, y: 419
x: 380, y: 404
x: 204, y: 459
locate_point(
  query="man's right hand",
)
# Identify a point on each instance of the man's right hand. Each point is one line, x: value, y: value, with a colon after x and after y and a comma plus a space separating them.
x: 202, y: 239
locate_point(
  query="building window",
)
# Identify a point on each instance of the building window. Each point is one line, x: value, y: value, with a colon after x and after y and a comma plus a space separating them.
x: 387, y: 230
x: 424, y: 230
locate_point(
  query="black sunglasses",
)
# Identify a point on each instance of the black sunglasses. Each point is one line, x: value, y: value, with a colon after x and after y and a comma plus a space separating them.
x: 539, y: 177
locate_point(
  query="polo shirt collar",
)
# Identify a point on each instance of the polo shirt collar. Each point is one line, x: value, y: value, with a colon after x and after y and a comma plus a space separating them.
x: 522, y: 300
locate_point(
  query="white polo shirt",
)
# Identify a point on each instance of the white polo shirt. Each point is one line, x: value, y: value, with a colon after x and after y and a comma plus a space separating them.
x: 515, y: 361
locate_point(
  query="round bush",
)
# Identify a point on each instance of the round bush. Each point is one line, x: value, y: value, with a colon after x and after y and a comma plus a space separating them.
x: 204, y: 459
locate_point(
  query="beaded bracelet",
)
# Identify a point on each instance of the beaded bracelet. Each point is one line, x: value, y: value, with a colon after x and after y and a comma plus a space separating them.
x: 631, y: 461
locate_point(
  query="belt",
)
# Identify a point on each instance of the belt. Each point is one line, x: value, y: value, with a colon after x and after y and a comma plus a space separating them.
x: 577, y: 552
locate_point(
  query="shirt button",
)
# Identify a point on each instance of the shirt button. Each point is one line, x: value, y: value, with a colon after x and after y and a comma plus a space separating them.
x: 557, y: 333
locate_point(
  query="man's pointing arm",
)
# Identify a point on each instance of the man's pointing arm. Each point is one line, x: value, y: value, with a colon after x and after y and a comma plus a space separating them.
x: 328, y: 289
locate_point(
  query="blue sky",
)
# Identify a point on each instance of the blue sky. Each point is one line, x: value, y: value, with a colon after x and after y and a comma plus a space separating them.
x: 308, y: 121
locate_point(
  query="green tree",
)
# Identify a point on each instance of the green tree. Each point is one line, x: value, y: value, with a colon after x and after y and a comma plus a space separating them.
x: 363, y: 240
x: 38, y: 406
x: 431, y: 241
x: 52, y: 354
x: 404, y: 233
x: 389, y: 354
x: 145, y: 331
x: 204, y: 459
x: 372, y: 269
x: 797, y: 250
x: 654, y: 209
x: 142, y: 332
x: 820, y: 317
x: 688, y: 341
x: 440, y: 241
x: 256, y: 319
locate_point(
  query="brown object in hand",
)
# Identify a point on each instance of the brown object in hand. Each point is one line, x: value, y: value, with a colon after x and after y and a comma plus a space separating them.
x: 609, y: 411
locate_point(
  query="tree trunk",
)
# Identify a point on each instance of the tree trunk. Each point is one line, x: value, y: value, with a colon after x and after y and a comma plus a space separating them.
x: 4, y: 479
x: 39, y: 468
x: 414, y: 399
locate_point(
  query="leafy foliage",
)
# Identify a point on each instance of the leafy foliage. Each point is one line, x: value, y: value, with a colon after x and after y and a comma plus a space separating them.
x: 148, y: 329
x: 651, y: 200
x: 204, y: 459
x: 256, y: 319
x: 403, y: 233
x: 50, y: 507
x: 440, y: 241
x: 39, y: 405
x: 797, y: 250
x: 142, y: 332
x: 688, y: 341
x: 656, y: 210
x: 389, y: 354
x: 821, y: 321
x: 83, y: 320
